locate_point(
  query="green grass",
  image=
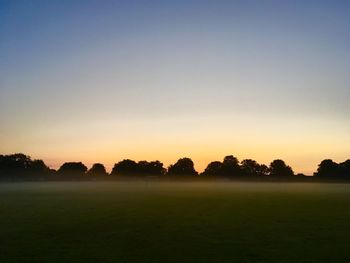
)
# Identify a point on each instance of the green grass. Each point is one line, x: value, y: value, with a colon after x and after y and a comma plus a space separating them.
x: 174, y: 222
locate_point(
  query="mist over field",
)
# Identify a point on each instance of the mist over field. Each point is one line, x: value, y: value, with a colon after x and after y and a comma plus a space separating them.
x: 199, y: 131
x: 152, y: 186
x: 174, y: 222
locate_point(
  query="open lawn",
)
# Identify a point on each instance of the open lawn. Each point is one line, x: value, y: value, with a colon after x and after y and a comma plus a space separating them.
x: 174, y: 222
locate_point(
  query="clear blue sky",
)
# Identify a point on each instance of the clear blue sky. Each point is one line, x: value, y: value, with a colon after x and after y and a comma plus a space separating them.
x: 105, y: 80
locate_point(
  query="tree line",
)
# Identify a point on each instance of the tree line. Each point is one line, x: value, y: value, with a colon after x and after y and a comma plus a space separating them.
x: 21, y: 166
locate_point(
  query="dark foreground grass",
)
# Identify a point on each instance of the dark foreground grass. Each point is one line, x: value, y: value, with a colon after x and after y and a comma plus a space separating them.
x: 174, y: 222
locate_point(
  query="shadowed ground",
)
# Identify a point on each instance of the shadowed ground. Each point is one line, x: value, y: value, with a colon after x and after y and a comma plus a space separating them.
x: 174, y: 222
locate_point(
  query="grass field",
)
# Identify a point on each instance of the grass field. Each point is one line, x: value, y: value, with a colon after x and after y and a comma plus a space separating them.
x: 174, y: 222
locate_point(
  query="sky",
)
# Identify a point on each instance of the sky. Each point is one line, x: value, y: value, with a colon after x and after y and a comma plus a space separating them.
x: 101, y: 81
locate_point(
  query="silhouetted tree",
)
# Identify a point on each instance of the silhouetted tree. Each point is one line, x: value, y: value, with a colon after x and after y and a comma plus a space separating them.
x: 157, y: 168
x: 125, y: 167
x: 279, y: 168
x: 151, y: 168
x: 52, y: 172
x: 183, y: 166
x: 130, y: 167
x: 21, y: 166
x: 344, y: 169
x: 72, y: 170
x: 213, y: 168
x: 97, y: 169
x: 14, y: 165
x: 230, y: 166
x: 252, y: 168
x: 264, y: 170
x: 39, y: 168
x: 327, y: 169
x: 143, y: 167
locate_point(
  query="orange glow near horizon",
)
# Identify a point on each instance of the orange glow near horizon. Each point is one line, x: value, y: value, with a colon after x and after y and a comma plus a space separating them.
x: 103, y: 82
x: 170, y: 140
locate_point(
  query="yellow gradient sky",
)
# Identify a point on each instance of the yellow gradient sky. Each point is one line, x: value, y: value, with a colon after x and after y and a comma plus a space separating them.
x: 99, y: 81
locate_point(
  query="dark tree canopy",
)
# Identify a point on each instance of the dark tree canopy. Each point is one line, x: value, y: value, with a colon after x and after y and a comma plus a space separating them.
x: 344, y: 169
x: 72, y: 169
x: 183, y: 166
x: 97, y: 169
x: 151, y: 168
x: 230, y: 166
x: 252, y: 168
x: 330, y: 169
x: 125, y: 166
x: 130, y: 167
x: 213, y: 168
x: 279, y: 168
x: 327, y: 168
x: 21, y: 165
x: 14, y: 164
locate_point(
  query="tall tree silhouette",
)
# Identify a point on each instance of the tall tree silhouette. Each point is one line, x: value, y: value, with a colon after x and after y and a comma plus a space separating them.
x: 230, y: 166
x: 151, y: 168
x: 130, y: 167
x: 279, y: 168
x: 183, y: 166
x: 327, y: 169
x: 344, y: 169
x: 214, y: 168
x: 97, y: 169
x: 250, y: 167
x: 125, y: 167
x: 21, y: 166
x: 332, y: 170
x: 72, y: 170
